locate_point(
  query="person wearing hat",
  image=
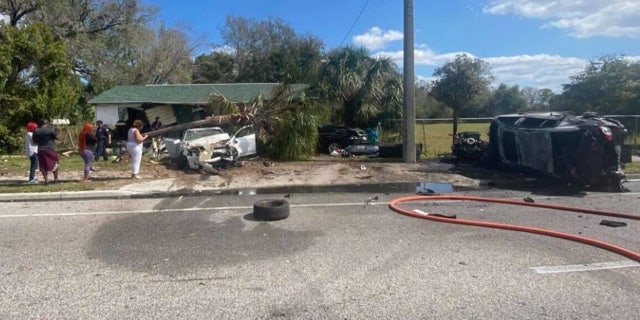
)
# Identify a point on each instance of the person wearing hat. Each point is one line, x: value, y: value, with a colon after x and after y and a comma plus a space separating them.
x: 103, y: 136
x: 31, y: 149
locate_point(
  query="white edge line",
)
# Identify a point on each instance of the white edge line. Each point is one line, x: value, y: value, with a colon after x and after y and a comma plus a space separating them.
x: 99, y: 213
x: 586, y: 267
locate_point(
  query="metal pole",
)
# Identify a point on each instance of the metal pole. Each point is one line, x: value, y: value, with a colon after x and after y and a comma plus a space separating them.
x: 409, y: 110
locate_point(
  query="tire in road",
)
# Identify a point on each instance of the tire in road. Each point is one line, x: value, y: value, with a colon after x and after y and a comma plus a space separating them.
x: 271, y: 209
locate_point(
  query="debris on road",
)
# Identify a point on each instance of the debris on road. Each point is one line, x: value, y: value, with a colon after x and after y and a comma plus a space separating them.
x: 613, y: 224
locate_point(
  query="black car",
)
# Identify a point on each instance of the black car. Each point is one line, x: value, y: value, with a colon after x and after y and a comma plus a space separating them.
x: 581, y: 149
x: 333, y: 137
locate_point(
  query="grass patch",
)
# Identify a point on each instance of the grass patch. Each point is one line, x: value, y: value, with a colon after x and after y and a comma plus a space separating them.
x: 436, y: 139
x: 18, y: 166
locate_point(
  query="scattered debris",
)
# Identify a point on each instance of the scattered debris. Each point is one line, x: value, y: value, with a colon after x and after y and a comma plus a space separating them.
x: 613, y: 224
x: 370, y: 200
x: 420, y: 212
x: 453, y: 216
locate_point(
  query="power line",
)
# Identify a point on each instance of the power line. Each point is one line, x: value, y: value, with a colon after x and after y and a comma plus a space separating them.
x: 354, y: 23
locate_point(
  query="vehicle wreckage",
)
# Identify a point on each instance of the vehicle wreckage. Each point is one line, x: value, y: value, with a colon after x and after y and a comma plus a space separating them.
x: 208, y: 147
x: 583, y: 150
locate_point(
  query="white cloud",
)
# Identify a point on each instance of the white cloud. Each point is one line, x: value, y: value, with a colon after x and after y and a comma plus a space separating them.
x: 377, y: 38
x: 540, y: 70
x: 224, y: 49
x: 581, y: 19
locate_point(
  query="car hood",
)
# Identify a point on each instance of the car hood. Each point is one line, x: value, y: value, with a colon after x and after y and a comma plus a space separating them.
x: 207, y: 141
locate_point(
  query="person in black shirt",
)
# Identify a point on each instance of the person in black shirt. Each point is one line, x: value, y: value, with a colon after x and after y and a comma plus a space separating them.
x: 156, y: 125
x: 103, y: 137
x: 45, y: 137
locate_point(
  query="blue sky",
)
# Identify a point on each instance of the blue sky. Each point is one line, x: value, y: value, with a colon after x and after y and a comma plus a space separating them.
x: 537, y: 43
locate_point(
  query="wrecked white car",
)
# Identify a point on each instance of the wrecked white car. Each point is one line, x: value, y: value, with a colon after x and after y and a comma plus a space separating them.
x: 202, y: 138
x: 222, y: 153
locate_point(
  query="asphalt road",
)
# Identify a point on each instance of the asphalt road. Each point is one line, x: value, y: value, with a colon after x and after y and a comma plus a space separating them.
x: 336, y: 257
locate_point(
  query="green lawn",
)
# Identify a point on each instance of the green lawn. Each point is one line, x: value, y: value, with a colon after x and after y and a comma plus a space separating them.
x: 436, y: 139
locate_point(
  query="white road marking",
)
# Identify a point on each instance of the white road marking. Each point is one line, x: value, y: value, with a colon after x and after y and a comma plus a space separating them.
x: 586, y: 267
x: 99, y: 213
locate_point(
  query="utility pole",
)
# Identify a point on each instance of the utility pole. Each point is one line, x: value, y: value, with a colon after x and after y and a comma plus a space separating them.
x: 409, y: 110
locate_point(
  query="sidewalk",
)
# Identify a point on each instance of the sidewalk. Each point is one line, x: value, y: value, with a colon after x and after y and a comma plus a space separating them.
x: 213, y: 185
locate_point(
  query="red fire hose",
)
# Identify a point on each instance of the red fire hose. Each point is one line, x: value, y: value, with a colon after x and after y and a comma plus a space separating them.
x: 393, y: 205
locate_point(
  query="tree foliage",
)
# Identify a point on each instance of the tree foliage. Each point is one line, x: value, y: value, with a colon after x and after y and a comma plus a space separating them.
x: 506, y: 99
x: 427, y: 106
x: 216, y: 67
x: 537, y: 99
x: 110, y: 41
x: 363, y: 89
x: 270, y: 51
x: 459, y: 82
x: 36, y: 82
x: 610, y: 85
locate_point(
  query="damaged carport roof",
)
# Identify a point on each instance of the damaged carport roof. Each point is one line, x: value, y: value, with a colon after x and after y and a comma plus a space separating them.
x: 192, y: 94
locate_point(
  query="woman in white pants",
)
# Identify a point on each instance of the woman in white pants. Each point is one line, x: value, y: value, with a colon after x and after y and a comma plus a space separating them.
x: 134, y: 146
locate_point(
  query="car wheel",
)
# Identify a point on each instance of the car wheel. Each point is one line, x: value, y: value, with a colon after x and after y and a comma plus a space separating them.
x: 333, y: 147
x: 271, y: 209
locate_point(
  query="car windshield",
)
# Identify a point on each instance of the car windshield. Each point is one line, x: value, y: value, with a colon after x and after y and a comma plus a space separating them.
x: 201, y: 133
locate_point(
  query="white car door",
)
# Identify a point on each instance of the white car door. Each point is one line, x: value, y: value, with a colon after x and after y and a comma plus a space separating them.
x: 245, y: 141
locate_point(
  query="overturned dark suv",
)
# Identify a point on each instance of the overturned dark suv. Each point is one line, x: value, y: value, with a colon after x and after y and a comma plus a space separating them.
x: 580, y: 149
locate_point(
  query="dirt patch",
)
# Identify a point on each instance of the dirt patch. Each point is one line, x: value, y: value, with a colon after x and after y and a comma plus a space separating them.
x: 260, y: 173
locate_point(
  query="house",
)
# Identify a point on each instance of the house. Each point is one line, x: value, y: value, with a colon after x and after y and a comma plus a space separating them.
x: 119, y: 106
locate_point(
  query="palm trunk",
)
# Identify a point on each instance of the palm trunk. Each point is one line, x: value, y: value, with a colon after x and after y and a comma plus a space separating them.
x: 209, y: 121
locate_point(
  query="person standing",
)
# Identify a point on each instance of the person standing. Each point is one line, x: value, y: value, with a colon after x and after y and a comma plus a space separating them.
x: 157, y: 140
x: 156, y: 125
x: 45, y: 138
x: 103, y: 137
x: 134, y: 147
x: 31, y: 149
x: 86, y: 143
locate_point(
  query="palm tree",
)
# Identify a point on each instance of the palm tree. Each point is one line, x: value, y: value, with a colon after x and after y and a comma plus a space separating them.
x: 286, y: 121
x: 363, y: 89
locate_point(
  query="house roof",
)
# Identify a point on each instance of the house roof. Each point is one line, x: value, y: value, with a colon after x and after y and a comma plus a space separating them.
x: 190, y: 94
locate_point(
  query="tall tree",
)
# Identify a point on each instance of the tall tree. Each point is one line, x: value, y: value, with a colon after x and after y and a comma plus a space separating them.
x: 36, y: 82
x: 609, y: 85
x: 506, y: 99
x: 167, y: 59
x: 427, y: 106
x: 365, y: 89
x: 537, y: 99
x: 270, y: 51
x: 459, y: 82
x: 110, y: 41
x: 216, y: 67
